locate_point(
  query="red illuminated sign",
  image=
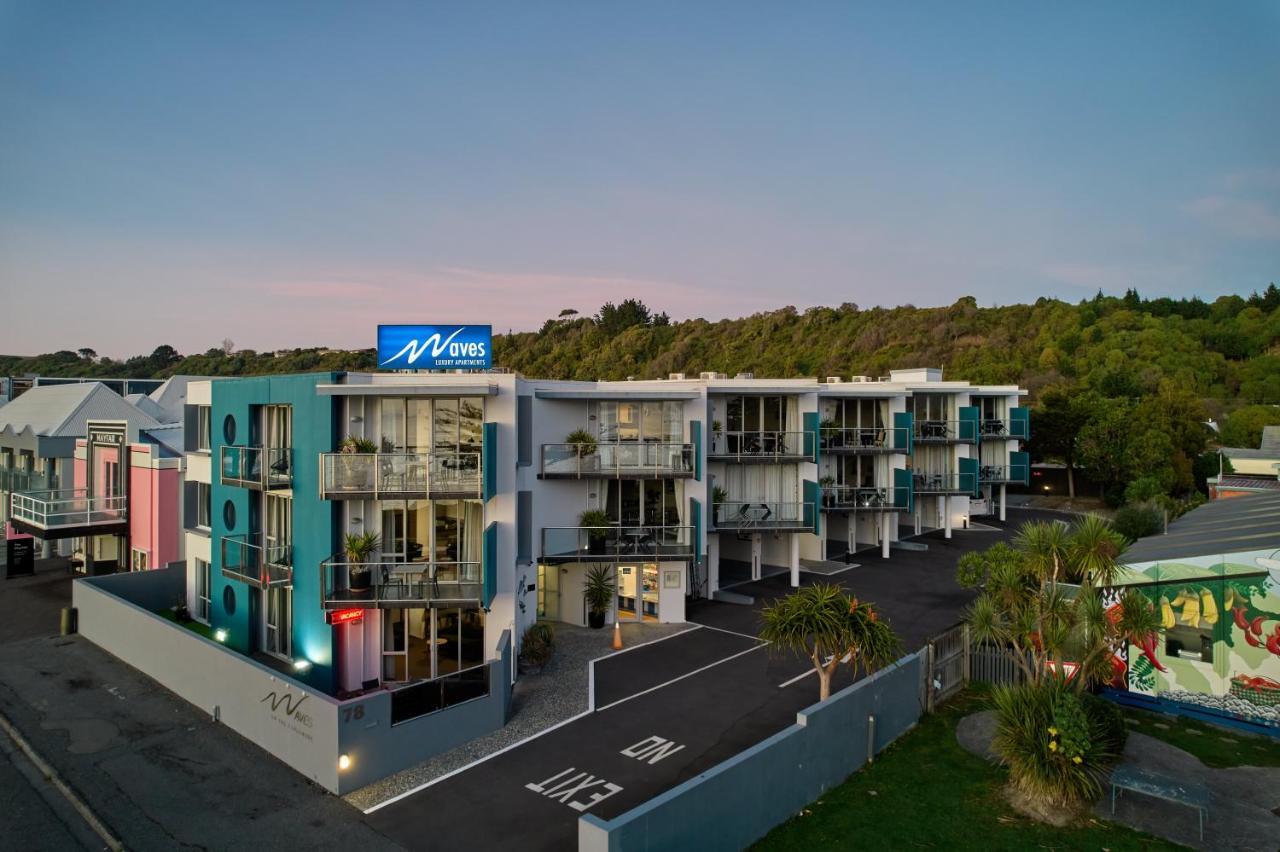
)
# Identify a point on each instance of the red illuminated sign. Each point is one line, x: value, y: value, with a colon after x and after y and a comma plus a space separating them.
x: 345, y: 616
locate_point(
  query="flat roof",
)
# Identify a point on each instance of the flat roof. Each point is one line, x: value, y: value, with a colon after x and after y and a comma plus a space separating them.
x: 1231, y: 525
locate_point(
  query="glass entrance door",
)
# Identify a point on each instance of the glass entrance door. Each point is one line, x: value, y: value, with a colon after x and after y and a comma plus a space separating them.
x: 277, y: 618
x: 637, y: 587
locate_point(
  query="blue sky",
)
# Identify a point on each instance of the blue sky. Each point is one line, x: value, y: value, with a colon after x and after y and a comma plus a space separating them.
x: 291, y: 174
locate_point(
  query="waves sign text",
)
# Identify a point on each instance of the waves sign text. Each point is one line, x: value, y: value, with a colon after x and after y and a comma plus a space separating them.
x: 435, y: 347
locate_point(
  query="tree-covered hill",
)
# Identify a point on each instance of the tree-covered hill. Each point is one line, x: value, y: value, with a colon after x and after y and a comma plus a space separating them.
x: 1121, y: 385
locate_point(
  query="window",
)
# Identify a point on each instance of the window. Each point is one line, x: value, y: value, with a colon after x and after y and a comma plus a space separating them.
x: 138, y: 559
x: 203, y: 431
x: 278, y: 621
x: 204, y: 505
x: 201, y: 613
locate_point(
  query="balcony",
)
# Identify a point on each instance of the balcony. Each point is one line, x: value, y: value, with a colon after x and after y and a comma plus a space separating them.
x: 865, y: 499
x: 760, y: 446
x: 399, y: 476
x: 428, y: 696
x: 946, y: 432
x: 868, y: 440
x: 946, y: 484
x: 391, y: 585
x: 258, y: 562
x: 755, y: 515
x: 259, y: 468
x: 999, y: 474
x: 68, y: 513
x: 617, y: 460
x: 614, y: 543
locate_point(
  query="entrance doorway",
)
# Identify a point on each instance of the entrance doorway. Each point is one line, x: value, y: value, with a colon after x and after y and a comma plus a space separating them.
x: 420, y: 644
x: 637, y: 592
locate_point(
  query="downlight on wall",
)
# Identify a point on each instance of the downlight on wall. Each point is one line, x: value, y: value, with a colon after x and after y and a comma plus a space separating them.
x: 344, y: 761
x: 220, y: 634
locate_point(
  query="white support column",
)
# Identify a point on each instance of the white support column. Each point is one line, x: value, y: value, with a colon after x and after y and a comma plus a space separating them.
x: 886, y: 519
x: 918, y: 512
x: 713, y: 564
x: 756, y: 555
x: 946, y: 514
x: 795, y: 559
x: 1002, y: 487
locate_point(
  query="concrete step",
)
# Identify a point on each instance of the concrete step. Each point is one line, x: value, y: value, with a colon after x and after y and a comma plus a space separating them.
x: 732, y: 597
x: 909, y: 545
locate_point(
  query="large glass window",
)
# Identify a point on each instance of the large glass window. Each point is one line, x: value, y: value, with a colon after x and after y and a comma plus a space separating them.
x: 278, y: 622
x: 416, y: 425
x: 204, y: 505
x: 632, y: 502
x: 424, y: 643
x: 653, y: 422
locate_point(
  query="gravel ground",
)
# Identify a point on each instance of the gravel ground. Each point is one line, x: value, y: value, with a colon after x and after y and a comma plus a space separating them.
x: 538, y: 701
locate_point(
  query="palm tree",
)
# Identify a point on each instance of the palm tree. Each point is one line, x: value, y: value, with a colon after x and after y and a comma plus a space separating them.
x: 826, y: 625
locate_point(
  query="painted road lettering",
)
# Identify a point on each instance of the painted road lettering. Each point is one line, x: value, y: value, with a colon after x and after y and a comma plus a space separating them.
x: 652, y: 749
x: 565, y: 786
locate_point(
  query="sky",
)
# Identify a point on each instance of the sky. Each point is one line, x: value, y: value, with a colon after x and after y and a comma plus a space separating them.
x: 291, y: 174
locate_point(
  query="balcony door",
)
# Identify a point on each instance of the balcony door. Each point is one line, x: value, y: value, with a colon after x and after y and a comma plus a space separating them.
x: 429, y: 642
x: 277, y: 621
x: 633, y: 503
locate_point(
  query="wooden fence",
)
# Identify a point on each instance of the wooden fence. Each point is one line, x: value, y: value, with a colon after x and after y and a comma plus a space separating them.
x: 952, y: 660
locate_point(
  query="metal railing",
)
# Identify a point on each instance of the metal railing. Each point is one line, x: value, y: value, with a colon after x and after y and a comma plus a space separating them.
x: 617, y: 542
x: 943, y: 483
x: 864, y: 439
x: 946, y: 432
x: 759, y: 444
x: 378, y: 475
x: 617, y: 459
x: 257, y: 561
x: 428, y: 696
x: 263, y: 468
x: 389, y: 583
x: 883, y: 499
x: 72, y: 507
x: 762, y: 515
x: 999, y: 429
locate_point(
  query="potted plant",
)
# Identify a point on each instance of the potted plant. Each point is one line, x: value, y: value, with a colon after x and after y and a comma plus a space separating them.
x: 349, y: 476
x: 358, y: 547
x: 597, y: 523
x: 180, y: 612
x: 583, y: 446
x: 598, y: 592
x: 536, y: 647
x: 828, y: 497
x: 827, y: 432
x: 718, y: 496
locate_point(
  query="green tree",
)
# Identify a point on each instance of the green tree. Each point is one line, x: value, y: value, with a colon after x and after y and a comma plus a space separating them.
x: 1243, y: 427
x: 1056, y: 424
x: 824, y: 624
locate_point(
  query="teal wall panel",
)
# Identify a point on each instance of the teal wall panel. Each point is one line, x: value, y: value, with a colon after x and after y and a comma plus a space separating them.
x: 695, y: 438
x: 489, y: 560
x: 315, y: 431
x: 969, y: 476
x: 969, y: 415
x: 489, y: 462
x: 903, y: 491
x: 812, y: 444
x: 903, y: 431
x: 1020, y: 467
x: 1020, y: 423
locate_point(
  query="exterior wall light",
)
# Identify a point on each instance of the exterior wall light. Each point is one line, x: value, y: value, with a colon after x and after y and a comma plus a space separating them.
x: 220, y: 634
x: 344, y: 761
x: 301, y: 665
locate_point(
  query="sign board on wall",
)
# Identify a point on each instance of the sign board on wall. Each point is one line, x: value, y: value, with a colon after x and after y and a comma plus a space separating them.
x: 435, y: 347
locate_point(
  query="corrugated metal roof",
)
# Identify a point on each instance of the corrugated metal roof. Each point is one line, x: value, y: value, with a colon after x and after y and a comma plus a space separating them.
x: 61, y: 411
x: 1232, y: 525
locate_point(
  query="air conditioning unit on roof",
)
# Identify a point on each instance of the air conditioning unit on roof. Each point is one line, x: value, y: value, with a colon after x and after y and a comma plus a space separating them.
x: 860, y: 379
x: 745, y: 376
x: 675, y: 377
x: 834, y: 380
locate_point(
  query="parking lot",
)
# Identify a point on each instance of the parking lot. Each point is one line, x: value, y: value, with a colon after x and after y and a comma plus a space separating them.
x: 667, y: 711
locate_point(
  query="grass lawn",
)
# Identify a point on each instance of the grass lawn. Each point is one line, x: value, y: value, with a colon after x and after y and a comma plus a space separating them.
x: 193, y: 626
x: 1215, y: 746
x: 926, y: 792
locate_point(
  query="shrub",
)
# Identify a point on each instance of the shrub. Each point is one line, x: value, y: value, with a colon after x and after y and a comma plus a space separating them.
x: 1110, y: 720
x: 1057, y: 745
x: 537, y: 645
x: 1138, y: 520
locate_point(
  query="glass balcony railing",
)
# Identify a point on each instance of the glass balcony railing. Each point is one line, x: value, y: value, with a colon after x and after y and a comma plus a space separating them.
x: 428, y: 696
x: 946, y: 432
x: 616, y: 542
x: 862, y: 439
x: 260, y: 562
x: 25, y: 480
x: 391, y: 584
x: 260, y: 468
x: 398, y: 475
x: 68, y: 508
x: 869, y: 498
x: 762, y: 515
x: 999, y: 473
x: 759, y: 445
x: 944, y: 483
x: 622, y: 459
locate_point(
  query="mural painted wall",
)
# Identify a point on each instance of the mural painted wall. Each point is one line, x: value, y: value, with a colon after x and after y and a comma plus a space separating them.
x: 1219, y: 647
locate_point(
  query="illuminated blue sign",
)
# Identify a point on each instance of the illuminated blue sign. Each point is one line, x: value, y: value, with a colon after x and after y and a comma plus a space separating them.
x: 435, y: 347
